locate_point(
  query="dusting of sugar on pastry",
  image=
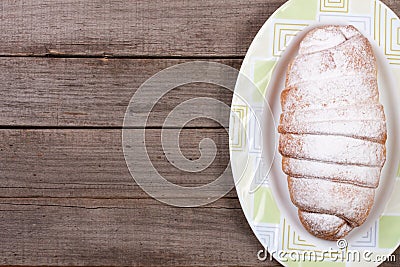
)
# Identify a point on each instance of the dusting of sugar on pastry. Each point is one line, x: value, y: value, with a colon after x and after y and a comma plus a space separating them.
x: 363, y: 112
x: 321, y: 39
x: 349, y: 202
x: 352, y: 57
x: 332, y: 130
x: 366, y: 176
x: 343, y: 231
x: 332, y: 92
x: 324, y: 225
x: 334, y: 149
x: 374, y: 131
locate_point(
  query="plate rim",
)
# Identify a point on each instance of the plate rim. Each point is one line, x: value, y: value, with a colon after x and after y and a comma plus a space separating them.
x: 234, y: 99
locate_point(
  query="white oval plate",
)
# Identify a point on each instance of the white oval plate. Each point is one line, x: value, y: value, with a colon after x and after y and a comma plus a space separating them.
x: 262, y: 190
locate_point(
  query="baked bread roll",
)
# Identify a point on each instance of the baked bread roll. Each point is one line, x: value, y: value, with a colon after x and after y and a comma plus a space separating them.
x: 332, y: 131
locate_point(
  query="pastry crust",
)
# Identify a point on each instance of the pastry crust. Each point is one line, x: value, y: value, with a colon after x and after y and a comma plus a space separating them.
x: 332, y: 131
x: 329, y: 227
x: 349, y: 202
x: 365, y: 176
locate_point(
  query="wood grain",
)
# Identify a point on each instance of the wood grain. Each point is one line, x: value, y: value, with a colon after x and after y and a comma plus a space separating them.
x: 68, y: 69
x: 84, y: 232
x: 67, y: 199
x: 70, y: 191
x: 131, y: 28
x: 134, y: 28
x: 85, y: 92
x: 90, y: 163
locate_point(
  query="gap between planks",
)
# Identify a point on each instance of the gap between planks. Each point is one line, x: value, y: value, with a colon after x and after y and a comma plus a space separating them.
x: 116, y: 57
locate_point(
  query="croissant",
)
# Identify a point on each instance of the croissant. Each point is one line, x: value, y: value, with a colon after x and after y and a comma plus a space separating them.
x: 332, y: 131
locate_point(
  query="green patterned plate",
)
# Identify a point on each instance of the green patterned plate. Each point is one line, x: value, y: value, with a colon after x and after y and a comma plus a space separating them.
x: 260, y: 183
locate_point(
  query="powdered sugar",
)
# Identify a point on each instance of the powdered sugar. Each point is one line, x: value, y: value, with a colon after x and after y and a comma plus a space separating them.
x: 333, y: 130
x: 374, y: 131
x: 349, y: 202
x: 330, y: 93
x: 358, y: 175
x: 323, y: 38
x: 324, y: 225
x: 362, y: 112
x: 352, y: 57
x: 334, y: 149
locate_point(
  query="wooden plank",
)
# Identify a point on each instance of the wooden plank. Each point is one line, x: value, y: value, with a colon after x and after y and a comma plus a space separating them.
x: 131, y: 28
x: 90, y: 163
x: 134, y: 28
x: 126, y: 232
x: 134, y: 232
x: 393, y: 263
x: 90, y: 92
x: 66, y: 198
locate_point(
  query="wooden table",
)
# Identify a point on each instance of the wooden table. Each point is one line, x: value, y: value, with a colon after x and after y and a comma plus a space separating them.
x: 68, y: 69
